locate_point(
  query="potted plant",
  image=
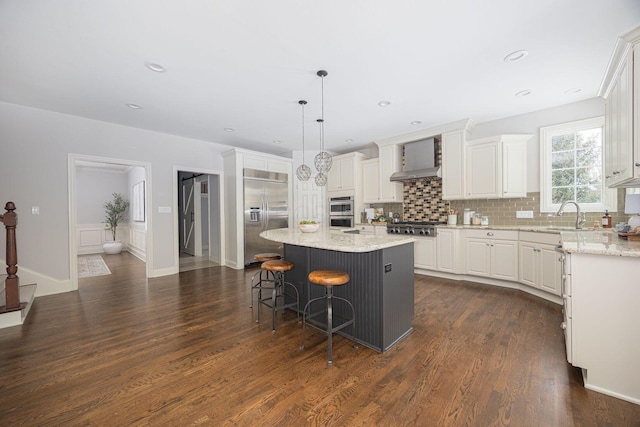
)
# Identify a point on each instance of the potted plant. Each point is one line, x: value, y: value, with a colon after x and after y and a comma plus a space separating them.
x: 115, y: 211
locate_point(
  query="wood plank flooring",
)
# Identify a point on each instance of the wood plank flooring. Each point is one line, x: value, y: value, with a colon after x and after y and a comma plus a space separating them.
x: 185, y: 350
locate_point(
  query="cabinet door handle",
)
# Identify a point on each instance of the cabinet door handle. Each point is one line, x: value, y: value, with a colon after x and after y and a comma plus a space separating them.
x: 616, y: 172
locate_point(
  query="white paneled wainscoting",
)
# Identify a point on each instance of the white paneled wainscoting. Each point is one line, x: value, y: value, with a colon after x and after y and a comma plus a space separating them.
x: 92, y: 236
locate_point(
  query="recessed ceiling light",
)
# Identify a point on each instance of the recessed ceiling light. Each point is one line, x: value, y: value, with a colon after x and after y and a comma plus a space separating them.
x: 348, y: 140
x: 133, y: 106
x: 416, y: 122
x: 229, y: 129
x: 155, y: 67
x: 522, y: 93
x: 572, y: 91
x: 518, y: 55
x: 384, y: 103
x: 277, y: 142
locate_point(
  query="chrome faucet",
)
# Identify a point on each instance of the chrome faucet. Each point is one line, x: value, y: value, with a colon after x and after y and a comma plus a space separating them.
x: 580, y: 217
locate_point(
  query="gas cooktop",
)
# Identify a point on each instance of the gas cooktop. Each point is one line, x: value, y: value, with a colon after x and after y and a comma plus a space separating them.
x: 422, y: 228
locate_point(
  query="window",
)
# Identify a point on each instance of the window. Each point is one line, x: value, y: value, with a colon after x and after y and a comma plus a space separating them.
x: 571, y: 167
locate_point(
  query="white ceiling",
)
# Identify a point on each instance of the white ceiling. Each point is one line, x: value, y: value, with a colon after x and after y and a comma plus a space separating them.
x: 244, y: 64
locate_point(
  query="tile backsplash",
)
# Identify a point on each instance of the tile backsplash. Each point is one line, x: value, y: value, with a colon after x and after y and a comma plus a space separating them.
x: 423, y: 202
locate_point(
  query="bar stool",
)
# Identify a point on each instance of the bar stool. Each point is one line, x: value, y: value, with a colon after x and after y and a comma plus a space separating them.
x: 263, y: 275
x: 328, y: 279
x: 278, y: 290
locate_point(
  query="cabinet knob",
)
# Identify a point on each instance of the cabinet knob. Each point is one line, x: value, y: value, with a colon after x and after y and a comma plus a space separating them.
x: 563, y: 325
x: 489, y: 233
x: 638, y: 164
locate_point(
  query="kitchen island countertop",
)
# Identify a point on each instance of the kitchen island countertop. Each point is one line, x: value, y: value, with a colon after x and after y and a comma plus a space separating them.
x: 336, y: 240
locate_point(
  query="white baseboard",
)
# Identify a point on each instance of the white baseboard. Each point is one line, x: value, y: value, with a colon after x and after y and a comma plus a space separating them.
x: 159, y: 272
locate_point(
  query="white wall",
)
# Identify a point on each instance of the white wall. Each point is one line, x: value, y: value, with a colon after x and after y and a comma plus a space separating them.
x: 33, y: 172
x: 531, y: 123
x: 93, y: 189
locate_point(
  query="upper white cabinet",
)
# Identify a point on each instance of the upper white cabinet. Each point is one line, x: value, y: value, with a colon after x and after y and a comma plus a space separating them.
x: 488, y: 168
x: 453, y: 164
x: 376, y: 173
x: 622, y: 125
x: 345, y: 174
x: 496, y: 167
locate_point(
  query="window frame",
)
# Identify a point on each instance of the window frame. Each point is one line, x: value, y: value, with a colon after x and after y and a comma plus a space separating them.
x: 609, y: 196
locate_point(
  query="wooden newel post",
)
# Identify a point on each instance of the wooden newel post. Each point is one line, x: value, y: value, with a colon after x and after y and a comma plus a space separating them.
x: 12, y: 288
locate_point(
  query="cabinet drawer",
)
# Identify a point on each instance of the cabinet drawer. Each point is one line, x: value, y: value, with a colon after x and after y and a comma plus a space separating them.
x: 542, y: 238
x: 487, y: 233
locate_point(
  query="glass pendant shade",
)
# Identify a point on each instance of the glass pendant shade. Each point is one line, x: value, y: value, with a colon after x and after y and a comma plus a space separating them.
x: 321, y: 179
x: 303, y: 172
x: 323, y: 161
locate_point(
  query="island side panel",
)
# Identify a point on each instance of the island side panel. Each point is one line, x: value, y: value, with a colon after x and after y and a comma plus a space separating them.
x: 398, y: 293
x: 383, y: 301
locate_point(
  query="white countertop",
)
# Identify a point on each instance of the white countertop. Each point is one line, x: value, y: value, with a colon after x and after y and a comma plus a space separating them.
x: 336, y: 240
x: 585, y: 241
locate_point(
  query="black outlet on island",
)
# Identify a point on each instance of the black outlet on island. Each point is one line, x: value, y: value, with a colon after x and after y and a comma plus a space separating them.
x: 387, y: 268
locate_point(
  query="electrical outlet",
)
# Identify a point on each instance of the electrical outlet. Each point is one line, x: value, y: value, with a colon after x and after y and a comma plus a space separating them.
x: 387, y: 268
x: 524, y: 214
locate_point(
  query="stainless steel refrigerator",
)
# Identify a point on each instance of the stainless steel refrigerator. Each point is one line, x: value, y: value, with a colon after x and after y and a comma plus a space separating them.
x: 266, y: 207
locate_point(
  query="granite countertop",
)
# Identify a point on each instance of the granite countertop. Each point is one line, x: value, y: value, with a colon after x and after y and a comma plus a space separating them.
x: 585, y: 241
x: 335, y: 240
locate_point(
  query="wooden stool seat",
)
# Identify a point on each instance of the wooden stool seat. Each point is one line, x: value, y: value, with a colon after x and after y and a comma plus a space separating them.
x: 280, y: 265
x: 267, y: 256
x: 329, y: 277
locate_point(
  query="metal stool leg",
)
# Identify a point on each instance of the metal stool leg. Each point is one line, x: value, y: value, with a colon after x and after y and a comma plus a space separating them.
x: 329, y: 294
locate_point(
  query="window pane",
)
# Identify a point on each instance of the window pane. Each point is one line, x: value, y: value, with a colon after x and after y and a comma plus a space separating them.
x: 562, y: 177
x: 562, y: 142
x: 588, y: 157
x: 588, y: 176
x: 562, y: 160
x: 590, y: 194
x: 559, y: 195
x: 589, y: 138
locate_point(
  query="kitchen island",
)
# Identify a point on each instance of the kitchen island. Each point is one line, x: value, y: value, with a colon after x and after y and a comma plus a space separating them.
x: 381, y: 285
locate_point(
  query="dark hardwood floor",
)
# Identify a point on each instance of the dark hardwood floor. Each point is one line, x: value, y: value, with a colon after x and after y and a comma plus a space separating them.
x: 185, y: 350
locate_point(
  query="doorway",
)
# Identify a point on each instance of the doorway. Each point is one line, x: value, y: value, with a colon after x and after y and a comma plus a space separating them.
x: 199, y: 219
x: 86, y: 228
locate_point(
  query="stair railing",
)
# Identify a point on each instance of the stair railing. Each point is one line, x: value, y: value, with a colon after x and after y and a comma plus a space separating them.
x: 12, y: 286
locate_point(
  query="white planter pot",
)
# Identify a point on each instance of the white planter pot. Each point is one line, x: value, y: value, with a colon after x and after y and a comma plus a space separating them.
x: 112, y: 247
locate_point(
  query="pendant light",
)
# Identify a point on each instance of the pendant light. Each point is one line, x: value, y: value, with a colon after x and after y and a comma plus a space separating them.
x: 303, y: 172
x: 321, y: 177
x: 323, y: 159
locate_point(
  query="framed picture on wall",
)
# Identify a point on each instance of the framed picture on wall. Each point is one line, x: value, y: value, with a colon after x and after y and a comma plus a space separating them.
x: 137, y: 202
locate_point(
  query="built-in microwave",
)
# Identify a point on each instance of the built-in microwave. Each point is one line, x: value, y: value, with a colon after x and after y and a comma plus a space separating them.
x: 341, y: 206
x: 341, y: 221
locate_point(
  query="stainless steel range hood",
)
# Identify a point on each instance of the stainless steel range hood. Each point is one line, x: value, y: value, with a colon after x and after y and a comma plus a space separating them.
x: 419, y: 161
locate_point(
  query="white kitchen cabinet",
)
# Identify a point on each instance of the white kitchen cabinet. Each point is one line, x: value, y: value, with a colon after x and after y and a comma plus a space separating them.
x: 496, y: 167
x: 453, y: 165
x: 424, y: 252
x: 377, y: 187
x: 371, y: 181
x: 492, y: 253
x: 344, y: 177
x: 539, y: 262
x: 448, y: 259
x: 602, y: 328
x: 622, y: 127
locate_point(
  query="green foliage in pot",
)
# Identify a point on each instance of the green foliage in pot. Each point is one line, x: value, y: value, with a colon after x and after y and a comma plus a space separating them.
x: 115, y: 212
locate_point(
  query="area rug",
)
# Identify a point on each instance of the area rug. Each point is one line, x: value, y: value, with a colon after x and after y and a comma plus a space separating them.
x: 92, y: 265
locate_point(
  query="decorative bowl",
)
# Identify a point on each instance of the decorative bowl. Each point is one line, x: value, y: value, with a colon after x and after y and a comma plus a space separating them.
x: 308, y: 228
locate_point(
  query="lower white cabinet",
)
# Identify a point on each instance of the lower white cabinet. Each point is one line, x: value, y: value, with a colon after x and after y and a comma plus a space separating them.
x: 539, y: 262
x: 492, y: 253
x: 448, y: 259
x: 424, y: 253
